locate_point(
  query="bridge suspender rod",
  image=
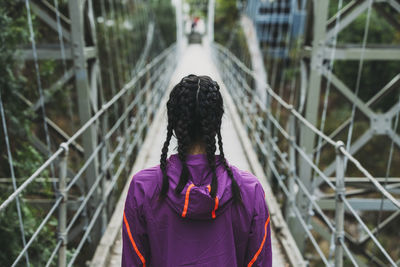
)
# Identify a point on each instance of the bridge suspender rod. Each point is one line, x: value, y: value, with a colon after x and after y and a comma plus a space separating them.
x: 329, y: 82
x: 63, y: 59
x: 14, y: 183
x: 84, y: 127
x: 298, y: 62
x: 278, y: 57
x: 277, y: 44
x: 310, y: 126
x: 388, y: 167
x: 360, y: 67
x: 339, y: 208
x: 334, y: 242
x: 39, y: 86
x: 286, y: 58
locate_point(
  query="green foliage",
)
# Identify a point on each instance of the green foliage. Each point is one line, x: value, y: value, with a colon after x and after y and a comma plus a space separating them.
x: 226, y: 19
x: 13, y: 33
x: 41, y: 249
x: 228, y: 31
x: 18, y: 82
x: 13, y: 84
x: 375, y: 74
x: 164, y: 14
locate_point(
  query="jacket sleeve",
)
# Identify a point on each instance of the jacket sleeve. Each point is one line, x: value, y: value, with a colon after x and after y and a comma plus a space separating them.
x: 259, y: 251
x: 135, y: 245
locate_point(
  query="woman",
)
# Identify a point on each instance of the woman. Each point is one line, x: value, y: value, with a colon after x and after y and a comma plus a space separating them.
x: 194, y: 208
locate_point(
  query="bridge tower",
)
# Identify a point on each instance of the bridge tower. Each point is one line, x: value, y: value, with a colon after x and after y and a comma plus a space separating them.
x: 321, y: 49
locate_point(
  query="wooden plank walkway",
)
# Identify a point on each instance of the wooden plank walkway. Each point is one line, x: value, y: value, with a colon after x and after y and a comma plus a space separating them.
x: 194, y: 60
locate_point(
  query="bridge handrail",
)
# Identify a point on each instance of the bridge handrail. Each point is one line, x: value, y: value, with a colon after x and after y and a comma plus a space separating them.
x: 233, y: 70
x: 295, y: 113
x: 160, y: 74
x: 64, y: 146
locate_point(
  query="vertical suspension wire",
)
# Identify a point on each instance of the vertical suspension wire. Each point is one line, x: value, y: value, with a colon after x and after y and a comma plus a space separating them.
x: 265, y: 49
x: 284, y: 65
x: 14, y: 182
x: 127, y: 73
x: 275, y: 63
x: 328, y: 88
x: 109, y: 39
x: 325, y: 108
x: 63, y: 57
x: 40, y: 88
x: 103, y: 128
x: 128, y: 29
x: 132, y: 43
x: 119, y: 42
x: 125, y: 29
x: 301, y: 8
x: 297, y: 62
x: 329, y: 80
x: 270, y: 32
x: 279, y: 23
x: 388, y: 167
x: 140, y: 28
x: 150, y: 14
x: 124, y: 42
x: 117, y: 57
x: 109, y: 67
x: 264, y: 32
x: 108, y: 52
x: 270, y: 58
x: 360, y: 68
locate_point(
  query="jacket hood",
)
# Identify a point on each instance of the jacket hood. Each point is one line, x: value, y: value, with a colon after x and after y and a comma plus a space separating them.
x: 195, y: 201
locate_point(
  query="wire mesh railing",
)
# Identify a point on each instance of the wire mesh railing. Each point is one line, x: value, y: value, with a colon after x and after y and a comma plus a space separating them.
x: 147, y: 86
x: 281, y: 155
x: 80, y: 86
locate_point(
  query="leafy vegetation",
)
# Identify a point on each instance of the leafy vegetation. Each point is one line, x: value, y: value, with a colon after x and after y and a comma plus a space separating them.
x: 19, y: 93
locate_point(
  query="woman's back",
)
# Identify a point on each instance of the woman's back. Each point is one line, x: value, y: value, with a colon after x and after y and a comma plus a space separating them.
x: 192, y: 228
x: 194, y: 209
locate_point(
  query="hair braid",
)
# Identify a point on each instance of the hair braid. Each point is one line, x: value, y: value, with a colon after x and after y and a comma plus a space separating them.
x: 182, y: 153
x: 182, y: 131
x: 195, y: 109
x: 210, y: 150
x: 235, y: 187
x: 163, y: 162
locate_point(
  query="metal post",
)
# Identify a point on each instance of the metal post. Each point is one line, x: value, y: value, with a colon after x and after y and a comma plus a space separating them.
x: 179, y: 26
x: 210, y: 21
x: 307, y: 137
x: 290, y: 204
x: 62, y: 212
x: 103, y: 184
x: 89, y: 137
x: 339, y: 212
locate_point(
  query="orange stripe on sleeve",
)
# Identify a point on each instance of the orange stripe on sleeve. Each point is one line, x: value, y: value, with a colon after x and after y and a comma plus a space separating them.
x: 133, y: 242
x: 186, y: 200
x: 215, y: 207
x: 262, y: 244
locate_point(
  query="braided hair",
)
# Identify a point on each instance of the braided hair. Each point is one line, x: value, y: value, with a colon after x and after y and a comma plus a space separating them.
x: 195, y: 109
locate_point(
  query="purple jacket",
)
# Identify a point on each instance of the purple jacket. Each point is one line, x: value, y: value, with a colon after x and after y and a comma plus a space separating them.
x: 192, y: 228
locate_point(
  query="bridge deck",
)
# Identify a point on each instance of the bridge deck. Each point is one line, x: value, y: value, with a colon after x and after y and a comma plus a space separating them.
x: 195, y: 60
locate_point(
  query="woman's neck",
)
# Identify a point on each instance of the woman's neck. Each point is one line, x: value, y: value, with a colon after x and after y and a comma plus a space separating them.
x: 197, y: 149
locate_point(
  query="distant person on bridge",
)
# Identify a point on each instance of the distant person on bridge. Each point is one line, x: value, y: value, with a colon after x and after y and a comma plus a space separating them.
x: 194, y: 23
x: 194, y: 208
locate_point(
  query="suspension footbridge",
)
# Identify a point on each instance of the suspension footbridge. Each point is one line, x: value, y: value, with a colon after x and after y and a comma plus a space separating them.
x: 329, y: 205
x: 109, y: 251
